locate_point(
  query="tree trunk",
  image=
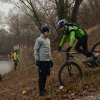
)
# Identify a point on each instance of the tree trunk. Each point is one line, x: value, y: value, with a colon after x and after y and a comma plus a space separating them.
x: 61, y: 9
x: 75, y: 10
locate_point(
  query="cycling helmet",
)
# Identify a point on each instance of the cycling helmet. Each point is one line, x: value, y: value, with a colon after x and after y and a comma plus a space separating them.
x: 45, y: 28
x: 61, y: 23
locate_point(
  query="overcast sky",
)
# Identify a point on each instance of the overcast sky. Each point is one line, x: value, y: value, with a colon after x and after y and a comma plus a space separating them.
x: 5, y: 7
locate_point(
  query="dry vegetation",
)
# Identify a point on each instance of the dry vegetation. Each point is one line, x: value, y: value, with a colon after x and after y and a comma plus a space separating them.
x: 23, y: 83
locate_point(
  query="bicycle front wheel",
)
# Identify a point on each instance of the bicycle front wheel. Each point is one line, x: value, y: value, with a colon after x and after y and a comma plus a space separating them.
x: 96, y: 51
x: 96, y: 47
x: 69, y: 74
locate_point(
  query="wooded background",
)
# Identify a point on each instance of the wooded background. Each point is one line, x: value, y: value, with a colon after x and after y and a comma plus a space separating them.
x: 25, y: 19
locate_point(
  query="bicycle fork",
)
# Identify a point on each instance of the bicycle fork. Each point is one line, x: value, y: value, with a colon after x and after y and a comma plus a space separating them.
x: 69, y: 68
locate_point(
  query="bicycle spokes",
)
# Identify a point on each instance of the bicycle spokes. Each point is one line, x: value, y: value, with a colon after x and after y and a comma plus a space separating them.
x: 73, y: 73
x: 69, y: 74
x: 69, y: 71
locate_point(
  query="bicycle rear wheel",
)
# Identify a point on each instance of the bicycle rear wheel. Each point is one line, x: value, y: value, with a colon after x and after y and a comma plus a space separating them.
x: 96, y: 50
x: 69, y: 74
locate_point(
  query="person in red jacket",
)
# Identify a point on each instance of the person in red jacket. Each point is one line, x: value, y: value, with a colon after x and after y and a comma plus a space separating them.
x: 12, y: 55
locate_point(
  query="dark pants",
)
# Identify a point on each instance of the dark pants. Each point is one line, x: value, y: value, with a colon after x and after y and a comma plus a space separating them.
x: 0, y: 77
x: 82, y: 46
x: 44, y: 71
x: 15, y: 64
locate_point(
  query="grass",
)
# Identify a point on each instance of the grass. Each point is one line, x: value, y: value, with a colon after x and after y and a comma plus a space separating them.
x: 25, y: 78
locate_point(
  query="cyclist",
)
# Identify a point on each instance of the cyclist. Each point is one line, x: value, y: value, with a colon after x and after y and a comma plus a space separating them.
x: 73, y: 32
x: 16, y: 58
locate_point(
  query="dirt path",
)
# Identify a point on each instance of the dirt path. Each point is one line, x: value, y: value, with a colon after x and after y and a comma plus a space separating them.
x: 95, y: 96
x: 90, y: 30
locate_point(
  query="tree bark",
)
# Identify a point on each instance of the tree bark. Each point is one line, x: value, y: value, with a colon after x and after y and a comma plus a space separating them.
x: 75, y: 10
x: 61, y: 9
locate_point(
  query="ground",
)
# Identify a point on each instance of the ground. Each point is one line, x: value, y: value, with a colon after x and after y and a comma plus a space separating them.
x: 93, y: 96
x: 22, y: 84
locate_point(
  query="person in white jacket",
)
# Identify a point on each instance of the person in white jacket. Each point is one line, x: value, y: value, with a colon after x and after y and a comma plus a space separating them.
x: 42, y: 54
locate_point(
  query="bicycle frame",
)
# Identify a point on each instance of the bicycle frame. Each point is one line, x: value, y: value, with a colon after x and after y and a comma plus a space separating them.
x: 71, y: 56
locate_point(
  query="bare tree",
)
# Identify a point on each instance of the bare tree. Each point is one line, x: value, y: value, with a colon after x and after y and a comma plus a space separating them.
x: 64, y: 6
x: 75, y: 10
x: 89, y: 13
x: 39, y: 11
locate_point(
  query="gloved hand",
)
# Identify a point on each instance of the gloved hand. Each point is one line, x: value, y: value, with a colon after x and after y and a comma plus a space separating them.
x: 68, y: 49
x: 59, y: 49
x: 37, y: 63
x: 51, y: 63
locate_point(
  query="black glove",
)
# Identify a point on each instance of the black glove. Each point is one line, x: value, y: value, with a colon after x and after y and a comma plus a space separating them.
x: 37, y: 63
x: 68, y: 49
x: 51, y: 64
x: 59, y: 49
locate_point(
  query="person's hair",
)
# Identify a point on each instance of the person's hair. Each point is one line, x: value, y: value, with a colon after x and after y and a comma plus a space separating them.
x: 15, y: 50
x: 45, y: 28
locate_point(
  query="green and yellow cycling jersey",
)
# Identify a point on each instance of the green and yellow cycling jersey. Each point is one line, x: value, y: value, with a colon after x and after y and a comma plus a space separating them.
x: 72, y: 32
x: 16, y: 56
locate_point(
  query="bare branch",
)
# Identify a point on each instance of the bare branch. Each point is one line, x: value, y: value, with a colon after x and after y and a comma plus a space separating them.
x: 71, y: 3
x: 38, y: 22
x: 50, y: 20
x: 22, y: 1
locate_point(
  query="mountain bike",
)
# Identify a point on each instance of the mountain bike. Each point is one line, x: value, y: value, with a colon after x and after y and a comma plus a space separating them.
x: 71, y: 72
